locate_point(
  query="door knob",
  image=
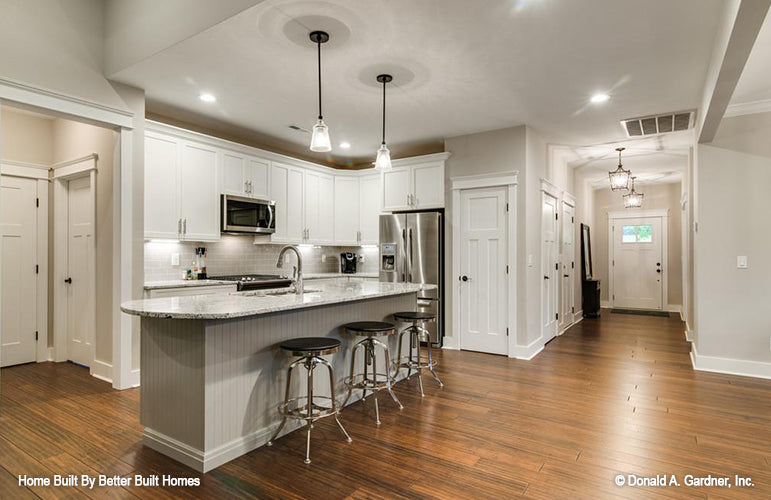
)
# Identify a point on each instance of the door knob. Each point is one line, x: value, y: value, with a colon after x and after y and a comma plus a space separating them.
x: 68, y: 281
x: 658, y: 270
x: 464, y: 278
x: 566, y: 275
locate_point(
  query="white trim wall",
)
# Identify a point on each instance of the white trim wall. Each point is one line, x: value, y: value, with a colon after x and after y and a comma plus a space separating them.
x: 663, y: 214
x: 728, y: 366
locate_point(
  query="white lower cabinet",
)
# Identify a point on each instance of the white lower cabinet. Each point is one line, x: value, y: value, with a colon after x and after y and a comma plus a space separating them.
x: 181, y: 189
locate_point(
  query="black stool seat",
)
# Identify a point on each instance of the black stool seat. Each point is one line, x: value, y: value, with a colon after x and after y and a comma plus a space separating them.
x: 371, y: 327
x: 313, y: 346
x: 415, y: 316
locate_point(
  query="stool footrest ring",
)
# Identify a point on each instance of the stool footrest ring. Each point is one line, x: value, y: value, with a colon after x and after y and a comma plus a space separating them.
x: 291, y: 408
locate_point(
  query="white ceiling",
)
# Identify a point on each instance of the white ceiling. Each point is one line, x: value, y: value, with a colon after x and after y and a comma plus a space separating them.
x: 460, y: 67
x: 755, y: 82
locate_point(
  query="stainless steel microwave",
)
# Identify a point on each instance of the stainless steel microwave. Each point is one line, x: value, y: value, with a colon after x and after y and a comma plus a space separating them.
x: 248, y: 215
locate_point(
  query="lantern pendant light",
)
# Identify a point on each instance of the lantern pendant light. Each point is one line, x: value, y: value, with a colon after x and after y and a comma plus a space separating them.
x: 619, y: 178
x: 383, y: 161
x: 633, y: 199
x: 320, y: 139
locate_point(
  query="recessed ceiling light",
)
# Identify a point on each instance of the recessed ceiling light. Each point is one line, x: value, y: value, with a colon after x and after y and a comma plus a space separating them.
x: 207, y: 98
x: 345, y: 144
x: 598, y: 98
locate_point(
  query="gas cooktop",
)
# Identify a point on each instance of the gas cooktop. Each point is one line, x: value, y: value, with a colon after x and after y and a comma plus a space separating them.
x: 256, y: 281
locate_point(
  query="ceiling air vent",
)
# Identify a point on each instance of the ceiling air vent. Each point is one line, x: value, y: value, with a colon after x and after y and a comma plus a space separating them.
x: 658, y: 124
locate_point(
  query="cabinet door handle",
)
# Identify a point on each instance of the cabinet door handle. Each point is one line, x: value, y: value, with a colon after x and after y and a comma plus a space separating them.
x: 415, y: 200
x: 179, y: 226
x: 184, y: 226
x: 246, y: 186
x: 250, y: 187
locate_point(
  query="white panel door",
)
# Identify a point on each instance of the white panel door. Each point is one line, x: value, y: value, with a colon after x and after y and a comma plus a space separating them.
x: 199, y: 200
x: 549, y: 265
x: 162, y: 219
x: 256, y: 175
x: 397, y: 190
x: 483, y: 297
x: 233, y: 174
x: 369, y: 209
x: 19, y: 280
x: 567, y: 263
x: 347, y: 210
x: 428, y: 186
x: 637, y: 263
x: 80, y: 281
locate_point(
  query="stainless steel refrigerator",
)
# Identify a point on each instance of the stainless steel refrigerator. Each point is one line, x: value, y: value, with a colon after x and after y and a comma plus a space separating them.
x: 412, y: 251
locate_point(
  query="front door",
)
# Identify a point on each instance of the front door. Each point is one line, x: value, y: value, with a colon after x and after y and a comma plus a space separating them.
x: 549, y: 265
x: 19, y: 279
x: 637, y: 266
x: 80, y: 282
x: 483, y: 297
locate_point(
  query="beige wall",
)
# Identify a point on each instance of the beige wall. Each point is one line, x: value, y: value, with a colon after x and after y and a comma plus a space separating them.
x: 748, y: 134
x: 74, y: 140
x: 657, y: 196
x: 27, y: 138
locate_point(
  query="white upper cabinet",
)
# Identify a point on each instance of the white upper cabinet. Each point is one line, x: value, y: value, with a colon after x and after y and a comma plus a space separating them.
x: 428, y: 185
x: 347, y: 229
x: 244, y: 175
x: 286, y: 188
x: 397, y: 189
x: 319, y: 208
x: 369, y: 209
x: 198, y: 197
x: 181, y: 197
x: 162, y: 188
x: 415, y: 183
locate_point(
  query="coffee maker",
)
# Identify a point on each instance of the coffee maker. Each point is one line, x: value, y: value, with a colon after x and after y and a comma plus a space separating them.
x: 348, y: 263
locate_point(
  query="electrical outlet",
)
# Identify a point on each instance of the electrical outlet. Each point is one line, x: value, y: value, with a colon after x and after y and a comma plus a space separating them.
x: 175, y: 259
x: 741, y: 262
x: 323, y: 258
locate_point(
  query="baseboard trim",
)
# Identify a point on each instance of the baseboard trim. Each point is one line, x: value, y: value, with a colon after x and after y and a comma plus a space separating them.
x: 578, y: 316
x: 101, y: 370
x: 688, y: 334
x: 605, y: 304
x: 134, y: 378
x: 729, y: 366
x: 529, y: 351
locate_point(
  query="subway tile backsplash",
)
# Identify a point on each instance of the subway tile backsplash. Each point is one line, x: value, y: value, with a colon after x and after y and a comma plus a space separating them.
x: 239, y: 255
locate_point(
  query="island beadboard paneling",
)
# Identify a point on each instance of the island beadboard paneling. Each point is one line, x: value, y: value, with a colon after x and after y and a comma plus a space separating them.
x: 238, y: 368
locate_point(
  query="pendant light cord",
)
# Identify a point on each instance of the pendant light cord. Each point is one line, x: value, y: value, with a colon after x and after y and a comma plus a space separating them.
x: 318, y: 44
x: 384, y: 108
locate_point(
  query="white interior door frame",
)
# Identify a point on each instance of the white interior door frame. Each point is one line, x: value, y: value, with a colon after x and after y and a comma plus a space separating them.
x: 40, y: 174
x: 508, y: 180
x: 76, y: 169
x: 567, y: 321
x: 549, y: 189
x: 662, y: 214
x: 124, y: 121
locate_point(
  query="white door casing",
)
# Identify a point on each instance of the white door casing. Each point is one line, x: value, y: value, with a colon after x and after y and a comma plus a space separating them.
x: 483, y: 256
x: 80, y: 256
x: 19, y: 279
x: 567, y: 264
x: 549, y: 265
x: 638, y: 260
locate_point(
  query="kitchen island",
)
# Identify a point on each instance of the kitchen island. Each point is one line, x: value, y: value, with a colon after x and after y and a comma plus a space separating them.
x: 212, y: 376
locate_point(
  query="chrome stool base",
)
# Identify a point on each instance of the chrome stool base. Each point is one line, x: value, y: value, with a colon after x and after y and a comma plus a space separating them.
x: 373, y: 381
x: 306, y: 407
x: 417, y: 335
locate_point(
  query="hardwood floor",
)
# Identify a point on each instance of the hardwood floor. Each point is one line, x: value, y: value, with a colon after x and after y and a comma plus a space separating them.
x: 611, y: 396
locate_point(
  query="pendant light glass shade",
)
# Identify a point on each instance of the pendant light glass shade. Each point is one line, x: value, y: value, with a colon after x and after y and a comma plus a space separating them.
x: 383, y: 161
x: 633, y: 199
x: 619, y: 178
x: 320, y: 140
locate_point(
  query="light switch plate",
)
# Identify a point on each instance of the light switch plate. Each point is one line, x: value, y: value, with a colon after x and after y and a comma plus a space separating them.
x: 530, y: 260
x: 175, y: 259
x: 741, y: 262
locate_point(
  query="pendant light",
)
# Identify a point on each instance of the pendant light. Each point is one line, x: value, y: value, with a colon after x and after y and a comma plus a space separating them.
x: 383, y: 161
x: 619, y: 178
x: 633, y: 199
x: 320, y: 139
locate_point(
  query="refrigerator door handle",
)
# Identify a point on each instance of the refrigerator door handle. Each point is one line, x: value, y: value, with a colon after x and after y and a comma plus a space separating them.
x: 409, y: 235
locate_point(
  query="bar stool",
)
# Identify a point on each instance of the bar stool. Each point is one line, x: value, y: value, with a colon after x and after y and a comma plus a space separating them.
x: 418, y: 334
x: 304, y: 407
x: 375, y: 381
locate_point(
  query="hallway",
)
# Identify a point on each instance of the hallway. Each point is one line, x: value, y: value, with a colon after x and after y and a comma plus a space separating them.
x: 611, y: 396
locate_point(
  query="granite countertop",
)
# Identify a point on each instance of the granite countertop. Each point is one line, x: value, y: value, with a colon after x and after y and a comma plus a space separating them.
x: 157, y: 285
x: 317, y: 276
x: 252, y: 303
